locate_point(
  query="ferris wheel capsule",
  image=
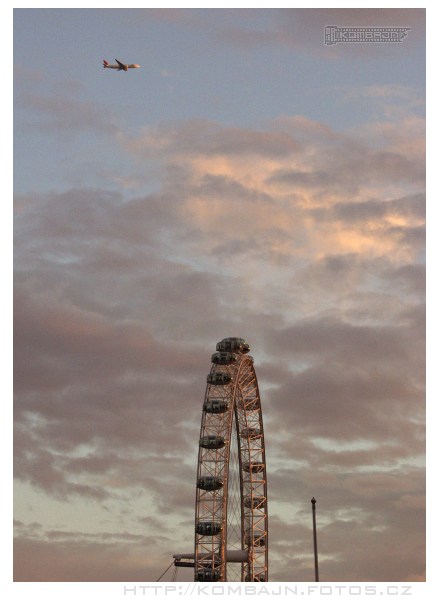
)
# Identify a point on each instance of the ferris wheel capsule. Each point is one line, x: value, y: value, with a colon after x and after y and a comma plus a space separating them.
x: 233, y: 344
x: 212, y: 442
x: 253, y: 467
x: 215, y: 406
x: 210, y: 483
x: 208, y: 574
x: 224, y: 358
x: 219, y: 378
x: 208, y: 528
x: 255, y: 502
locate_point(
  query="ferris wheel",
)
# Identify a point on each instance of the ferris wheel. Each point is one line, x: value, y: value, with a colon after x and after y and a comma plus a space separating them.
x: 231, y: 519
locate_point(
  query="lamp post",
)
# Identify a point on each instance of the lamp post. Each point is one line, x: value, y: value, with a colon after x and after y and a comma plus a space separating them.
x: 316, y: 560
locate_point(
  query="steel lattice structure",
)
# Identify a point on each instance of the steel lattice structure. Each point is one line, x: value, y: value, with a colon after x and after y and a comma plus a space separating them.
x: 231, y: 473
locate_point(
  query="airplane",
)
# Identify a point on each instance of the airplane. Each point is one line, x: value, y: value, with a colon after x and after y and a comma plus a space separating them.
x: 120, y: 66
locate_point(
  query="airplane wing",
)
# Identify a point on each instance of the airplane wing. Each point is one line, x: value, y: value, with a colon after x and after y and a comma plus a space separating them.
x: 121, y: 65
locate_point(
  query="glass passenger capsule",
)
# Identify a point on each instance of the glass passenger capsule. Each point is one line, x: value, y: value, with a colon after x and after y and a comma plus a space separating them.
x: 219, y: 378
x: 216, y: 406
x: 208, y: 528
x: 212, y: 441
x: 253, y: 467
x: 224, y: 358
x: 251, y: 432
x: 255, y: 502
x: 208, y: 574
x: 257, y: 577
x: 258, y: 540
x: 210, y: 483
x: 233, y: 344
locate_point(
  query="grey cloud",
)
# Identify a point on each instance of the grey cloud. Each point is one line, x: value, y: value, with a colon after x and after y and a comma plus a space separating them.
x: 351, y: 382
x: 409, y: 206
x: 311, y: 179
x: 357, y: 167
x: 67, y: 115
x: 302, y: 29
x: 363, y: 508
x: 204, y: 137
x: 412, y: 278
x: 86, y: 560
x: 330, y: 337
x: 345, y: 403
x: 44, y: 470
x: 294, y: 27
x: 119, y: 303
x: 381, y: 165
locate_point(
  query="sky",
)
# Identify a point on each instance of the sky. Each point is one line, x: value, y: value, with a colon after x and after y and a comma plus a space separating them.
x: 249, y: 181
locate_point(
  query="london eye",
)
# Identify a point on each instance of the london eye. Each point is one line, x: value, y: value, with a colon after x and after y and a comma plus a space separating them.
x: 231, y: 518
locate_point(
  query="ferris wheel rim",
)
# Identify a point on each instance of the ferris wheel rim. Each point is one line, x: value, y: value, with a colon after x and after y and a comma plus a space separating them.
x: 232, y: 398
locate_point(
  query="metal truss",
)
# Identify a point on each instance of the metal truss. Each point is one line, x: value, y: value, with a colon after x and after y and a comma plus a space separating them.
x: 231, y: 416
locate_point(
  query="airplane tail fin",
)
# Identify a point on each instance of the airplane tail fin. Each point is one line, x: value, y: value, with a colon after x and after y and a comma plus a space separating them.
x: 105, y: 63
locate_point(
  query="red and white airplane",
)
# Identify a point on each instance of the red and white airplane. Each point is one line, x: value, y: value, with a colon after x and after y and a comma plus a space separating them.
x: 120, y: 66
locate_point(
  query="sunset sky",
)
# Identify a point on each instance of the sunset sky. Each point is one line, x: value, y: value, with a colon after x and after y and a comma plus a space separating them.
x: 246, y: 181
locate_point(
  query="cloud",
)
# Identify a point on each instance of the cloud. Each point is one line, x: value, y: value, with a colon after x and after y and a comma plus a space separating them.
x: 290, y: 27
x: 61, y: 556
x: 63, y: 113
x: 306, y: 241
x: 302, y: 29
x: 313, y: 170
x: 364, y: 507
x: 204, y: 138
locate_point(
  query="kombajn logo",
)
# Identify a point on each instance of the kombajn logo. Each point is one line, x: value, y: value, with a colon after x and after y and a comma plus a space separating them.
x: 371, y: 35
